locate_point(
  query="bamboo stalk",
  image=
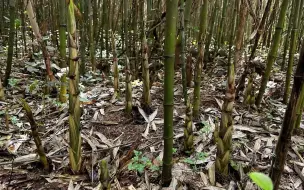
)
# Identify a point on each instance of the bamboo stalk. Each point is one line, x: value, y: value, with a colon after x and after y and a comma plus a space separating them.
x: 183, y: 50
x: 292, y: 48
x: 8, y: 69
x: 63, y: 89
x: 104, y: 176
x: 145, y: 61
x: 199, y: 63
x: 115, y: 69
x: 62, y: 35
x: 273, y: 51
x: 289, y: 122
x: 169, y: 48
x: 74, y: 102
x: 188, y: 132
x: 128, y: 88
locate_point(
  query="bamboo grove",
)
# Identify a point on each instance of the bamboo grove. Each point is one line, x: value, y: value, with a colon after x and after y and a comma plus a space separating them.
x: 179, y: 39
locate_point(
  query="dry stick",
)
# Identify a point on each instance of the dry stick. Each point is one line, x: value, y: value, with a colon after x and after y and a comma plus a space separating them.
x: 298, y: 154
x: 37, y: 140
x: 11, y: 173
x: 298, y: 171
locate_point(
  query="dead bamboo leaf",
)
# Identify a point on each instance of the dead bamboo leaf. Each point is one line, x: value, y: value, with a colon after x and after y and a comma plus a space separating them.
x: 104, y: 139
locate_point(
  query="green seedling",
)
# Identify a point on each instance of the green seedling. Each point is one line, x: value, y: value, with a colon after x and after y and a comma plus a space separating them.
x: 174, y: 150
x: 199, y: 156
x: 13, y: 82
x: 33, y: 87
x: 206, y: 128
x: 139, y: 162
x: 14, y: 120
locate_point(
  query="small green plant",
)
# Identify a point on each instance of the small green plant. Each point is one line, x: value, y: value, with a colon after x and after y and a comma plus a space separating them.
x: 12, y: 82
x: 140, y: 162
x: 33, y: 87
x: 14, y: 120
x: 174, y: 150
x: 17, y: 23
x: 199, y: 156
x: 206, y: 128
x: 154, y: 168
x: 261, y: 180
x: 234, y: 165
x: 56, y: 102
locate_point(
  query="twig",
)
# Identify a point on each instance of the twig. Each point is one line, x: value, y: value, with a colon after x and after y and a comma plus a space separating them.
x: 104, y: 122
x: 298, y: 154
x: 11, y: 173
x: 298, y: 171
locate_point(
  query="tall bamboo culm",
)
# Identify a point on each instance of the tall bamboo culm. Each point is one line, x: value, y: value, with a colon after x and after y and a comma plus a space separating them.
x: 128, y: 107
x: 62, y: 29
x: 290, y: 120
x: 169, y: 48
x: 223, y: 135
x: 199, y: 63
x: 145, y: 62
x: 1, y: 90
x: 74, y: 102
x: 292, y: 48
x: 273, y: 51
x: 183, y: 50
x: 9, y: 61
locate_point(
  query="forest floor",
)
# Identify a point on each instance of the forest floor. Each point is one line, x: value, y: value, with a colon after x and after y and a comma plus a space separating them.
x: 109, y: 134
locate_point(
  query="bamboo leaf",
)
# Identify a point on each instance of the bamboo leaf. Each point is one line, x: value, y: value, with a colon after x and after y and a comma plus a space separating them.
x: 262, y: 180
x: 147, y: 130
x: 142, y: 112
x: 153, y: 115
x: 153, y: 126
